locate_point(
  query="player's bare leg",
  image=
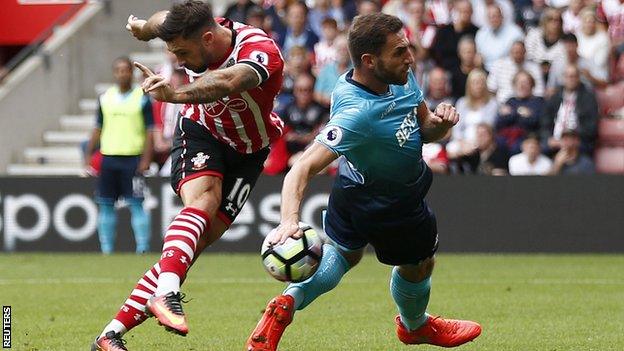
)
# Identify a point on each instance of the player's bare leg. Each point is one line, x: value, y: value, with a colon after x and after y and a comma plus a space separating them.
x: 410, y: 287
x: 280, y: 310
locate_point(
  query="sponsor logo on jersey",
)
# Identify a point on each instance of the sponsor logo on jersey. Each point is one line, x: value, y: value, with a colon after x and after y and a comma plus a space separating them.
x: 230, y: 62
x: 332, y: 135
x: 408, y: 126
x: 260, y: 57
x: 199, y: 161
x: 215, y: 109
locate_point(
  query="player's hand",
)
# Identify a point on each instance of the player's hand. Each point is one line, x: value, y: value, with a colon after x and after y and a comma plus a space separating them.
x: 156, y: 85
x: 284, y: 231
x: 135, y: 26
x: 445, y: 113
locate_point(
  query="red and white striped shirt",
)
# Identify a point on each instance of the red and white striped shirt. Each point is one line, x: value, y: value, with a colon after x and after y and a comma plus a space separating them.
x: 244, y: 121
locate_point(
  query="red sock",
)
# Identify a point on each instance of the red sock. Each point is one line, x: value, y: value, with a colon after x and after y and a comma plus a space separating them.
x: 132, y: 313
x: 181, y: 240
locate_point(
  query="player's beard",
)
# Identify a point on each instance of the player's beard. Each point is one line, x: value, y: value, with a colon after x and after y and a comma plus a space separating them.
x: 204, y: 63
x: 388, y: 76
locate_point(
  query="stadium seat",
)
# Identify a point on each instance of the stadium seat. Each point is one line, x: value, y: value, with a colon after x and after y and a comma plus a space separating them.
x: 610, y: 160
x: 610, y: 99
x: 611, y: 132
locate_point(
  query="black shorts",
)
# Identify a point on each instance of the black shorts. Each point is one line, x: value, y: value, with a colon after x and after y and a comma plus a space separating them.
x: 402, y: 231
x: 118, y: 179
x: 197, y: 153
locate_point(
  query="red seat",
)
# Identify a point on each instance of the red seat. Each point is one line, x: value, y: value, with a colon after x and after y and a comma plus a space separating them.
x: 611, y: 132
x: 610, y: 160
x: 610, y: 99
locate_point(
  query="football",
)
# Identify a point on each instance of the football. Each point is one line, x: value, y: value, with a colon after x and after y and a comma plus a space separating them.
x: 296, y: 259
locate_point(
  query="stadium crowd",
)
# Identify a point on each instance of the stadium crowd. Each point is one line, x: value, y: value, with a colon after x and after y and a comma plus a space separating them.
x: 532, y: 80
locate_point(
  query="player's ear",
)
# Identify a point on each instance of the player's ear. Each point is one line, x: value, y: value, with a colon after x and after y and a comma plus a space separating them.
x: 207, y: 38
x: 368, y: 61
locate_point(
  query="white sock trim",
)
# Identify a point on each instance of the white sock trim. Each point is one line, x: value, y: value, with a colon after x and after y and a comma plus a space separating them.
x: 167, y: 282
x: 115, y: 326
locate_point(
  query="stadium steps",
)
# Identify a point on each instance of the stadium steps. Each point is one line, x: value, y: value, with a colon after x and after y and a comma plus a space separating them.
x: 77, y: 122
x: 53, y: 155
x: 56, y: 137
x: 45, y: 170
x: 88, y: 106
x: 149, y: 59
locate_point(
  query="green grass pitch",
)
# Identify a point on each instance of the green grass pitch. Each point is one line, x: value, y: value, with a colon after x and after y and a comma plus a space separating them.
x: 524, y: 302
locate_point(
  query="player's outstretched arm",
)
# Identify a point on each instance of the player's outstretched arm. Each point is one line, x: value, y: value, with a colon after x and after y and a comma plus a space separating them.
x: 313, y: 160
x: 207, y: 88
x: 435, y: 125
x: 146, y: 30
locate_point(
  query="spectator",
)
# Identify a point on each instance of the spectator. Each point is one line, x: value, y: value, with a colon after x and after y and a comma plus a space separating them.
x: 304, y: 117
x: 488, y: 158
x: 439, y: 11
x: 468, y: 61
x: 569, y: 160
x: 398, y: 8
x: 529, y: 16
x: 520, y: 115
x: 438, y: 88
x: 444, y: 47
x: 276, y: 20
x: 476, y: 108
x: 573, y: 106
x: 593, y: 44
x: 611, y: 13
x: 591, y: 75
x: 419, y: 31
x: 322, y: 11
x: 256, y: 18
x: 298, y: 32
x: 298, y: 63
x: 325, y: 50
x: 124, y: 133
x: 329, y: 75
x: 239, y: 11
x: 421, y: 65
x: 480, y: 16
x: 543, y: 45
x: 368, y: 7
x: 571, y: 17
x: 558, y: 4
x: 495, y: 40
x: 530, y: 161
x: 503, y: 71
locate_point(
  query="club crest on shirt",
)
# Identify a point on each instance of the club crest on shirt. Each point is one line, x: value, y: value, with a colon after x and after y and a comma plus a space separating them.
x: 260, y: 57
x: 199, y: 161
x: 230, y: 62
x: 331, y: 135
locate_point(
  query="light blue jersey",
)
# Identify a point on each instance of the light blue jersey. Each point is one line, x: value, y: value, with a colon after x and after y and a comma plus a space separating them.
x: 379, y: 135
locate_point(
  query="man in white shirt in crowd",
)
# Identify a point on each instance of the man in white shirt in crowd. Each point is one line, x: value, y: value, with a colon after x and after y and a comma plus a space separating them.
x: 530, y: 161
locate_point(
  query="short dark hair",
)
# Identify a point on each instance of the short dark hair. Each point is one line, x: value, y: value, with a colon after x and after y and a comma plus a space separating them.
x: 186, y: 19
x: 368, y: 34
x: 124, y: 59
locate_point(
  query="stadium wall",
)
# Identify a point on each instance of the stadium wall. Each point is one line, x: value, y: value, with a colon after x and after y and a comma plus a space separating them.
x: 475, y: 214
x: 51, y: 83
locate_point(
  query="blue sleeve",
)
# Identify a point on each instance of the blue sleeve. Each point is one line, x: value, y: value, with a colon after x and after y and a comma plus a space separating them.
x: 345, y: 132
x: 148, y: 113
x: 99, y: 116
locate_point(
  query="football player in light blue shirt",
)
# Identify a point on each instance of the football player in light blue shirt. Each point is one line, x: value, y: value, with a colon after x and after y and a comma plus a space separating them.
x: 378, y: 124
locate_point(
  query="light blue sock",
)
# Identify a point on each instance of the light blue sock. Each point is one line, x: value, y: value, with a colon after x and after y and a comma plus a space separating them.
x: 331, y: 269
x: 141, y: 226
x: 107, y: 220
x: 411, y: 299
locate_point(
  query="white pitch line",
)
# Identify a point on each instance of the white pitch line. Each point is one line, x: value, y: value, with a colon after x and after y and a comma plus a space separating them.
x: 230, y: 280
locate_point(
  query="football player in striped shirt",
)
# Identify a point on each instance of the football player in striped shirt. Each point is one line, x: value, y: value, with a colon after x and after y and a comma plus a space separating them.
x: 221, y: 143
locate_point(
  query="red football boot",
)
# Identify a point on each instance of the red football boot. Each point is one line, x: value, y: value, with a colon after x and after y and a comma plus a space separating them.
x: 168, y: 309
x: 111, y: 341
x: 277, y: 316
x: 439, y: 332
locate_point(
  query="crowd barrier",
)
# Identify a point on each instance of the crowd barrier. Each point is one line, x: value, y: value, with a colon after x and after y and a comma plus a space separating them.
x: 475, y: 214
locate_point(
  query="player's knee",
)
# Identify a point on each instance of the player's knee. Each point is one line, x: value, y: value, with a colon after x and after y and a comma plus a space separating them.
x: 419, y: 272
x: 203, y: 193
x: 353, y: 257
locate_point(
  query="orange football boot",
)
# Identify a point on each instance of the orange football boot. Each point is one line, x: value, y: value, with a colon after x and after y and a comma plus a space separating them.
x: 168, y: 309
x: 277, y: 316
x: 439, y: 332
x: 111, y: 341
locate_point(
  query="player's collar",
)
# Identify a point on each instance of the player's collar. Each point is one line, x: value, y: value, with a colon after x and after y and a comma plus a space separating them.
x: 349, y: 78
x: 229, y: 24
